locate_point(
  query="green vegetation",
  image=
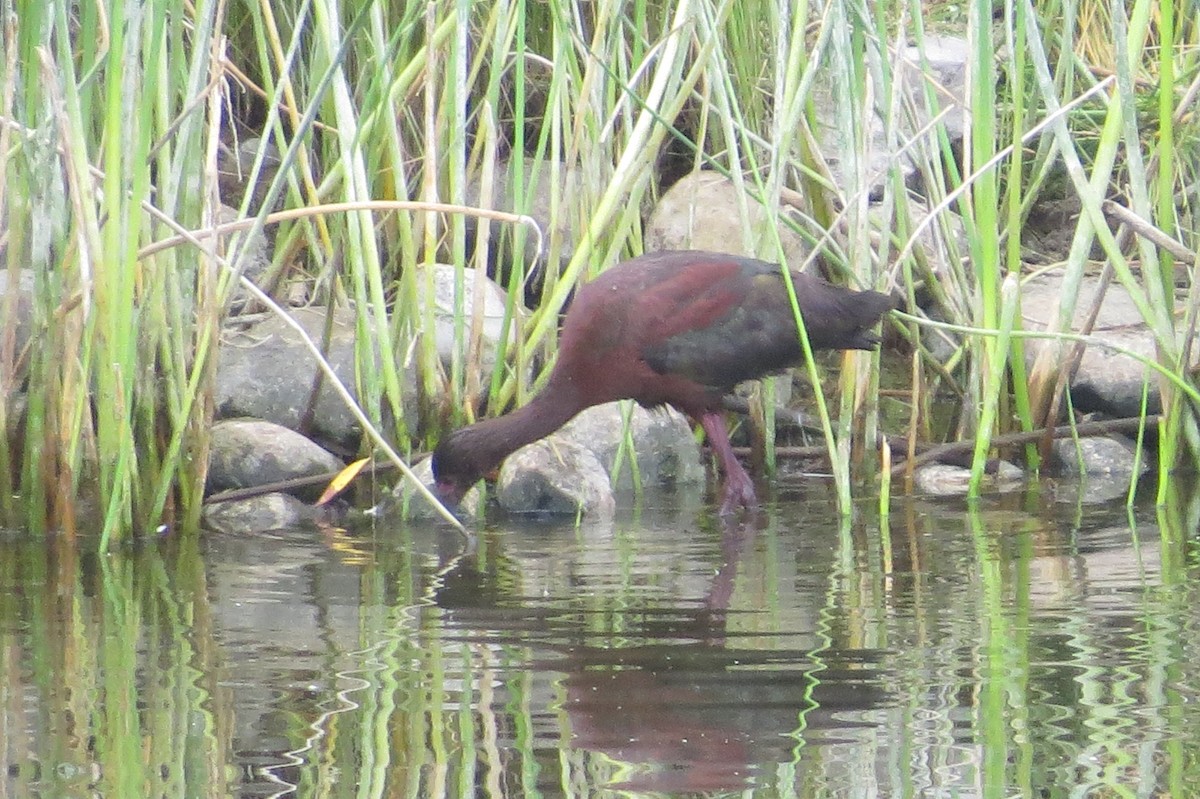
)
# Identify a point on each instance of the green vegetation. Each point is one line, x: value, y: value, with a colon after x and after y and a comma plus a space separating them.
x: 112, y: 115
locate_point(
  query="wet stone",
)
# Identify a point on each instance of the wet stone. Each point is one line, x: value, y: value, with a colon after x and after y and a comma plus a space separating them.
x: 1098, y: 456
x: 556, y: 476
x: 255, y: 515
x: 449, y: 303
x: 947, y: 480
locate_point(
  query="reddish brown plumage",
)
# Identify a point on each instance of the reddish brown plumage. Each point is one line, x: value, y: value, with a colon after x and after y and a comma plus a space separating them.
x: 669, y: 328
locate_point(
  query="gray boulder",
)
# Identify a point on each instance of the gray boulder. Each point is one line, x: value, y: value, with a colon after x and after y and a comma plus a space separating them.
x: 1096, y: 455
x: 946, y: 58
x: 266, y: 372
x: 447, y: 305
x: 555, y: 475
x: 1107, y: 381
x: 664, y: 447
x: 701, y: 212
x: 1096, y: 469
x: 941, y: 66
x: 250, y: 452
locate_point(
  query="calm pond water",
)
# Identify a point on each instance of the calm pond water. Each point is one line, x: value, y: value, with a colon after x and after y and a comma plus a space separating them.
x: 1029, y: 645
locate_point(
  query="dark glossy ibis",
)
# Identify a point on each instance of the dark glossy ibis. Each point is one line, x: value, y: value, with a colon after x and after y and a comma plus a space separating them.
x: 669, y: 328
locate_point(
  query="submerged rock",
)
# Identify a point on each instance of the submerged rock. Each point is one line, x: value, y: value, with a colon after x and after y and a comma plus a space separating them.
x: 259, y: 514
x: 555, y: 475
x: 1098, y: 455
x: 1096, y: 469
x: 947, y: 480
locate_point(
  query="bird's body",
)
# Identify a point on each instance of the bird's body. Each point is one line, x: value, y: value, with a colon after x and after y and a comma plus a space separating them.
x: 669, y: 328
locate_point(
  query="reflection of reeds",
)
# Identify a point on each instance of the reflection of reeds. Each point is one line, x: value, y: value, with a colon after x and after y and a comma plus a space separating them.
x: 109, y: 677
x: 1000, y: 647
x: 109, y: 140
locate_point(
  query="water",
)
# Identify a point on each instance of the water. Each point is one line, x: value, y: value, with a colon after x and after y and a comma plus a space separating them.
x: 1027, y: 646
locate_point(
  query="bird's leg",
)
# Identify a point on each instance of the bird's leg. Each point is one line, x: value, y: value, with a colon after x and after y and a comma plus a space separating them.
x: 739, y: 489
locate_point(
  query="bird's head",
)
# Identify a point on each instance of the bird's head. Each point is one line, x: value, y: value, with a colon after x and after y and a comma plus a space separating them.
x: 455, y: 469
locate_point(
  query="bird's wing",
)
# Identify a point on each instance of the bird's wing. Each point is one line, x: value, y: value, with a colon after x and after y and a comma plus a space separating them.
x: 692, y: 298
x: 737, y: 331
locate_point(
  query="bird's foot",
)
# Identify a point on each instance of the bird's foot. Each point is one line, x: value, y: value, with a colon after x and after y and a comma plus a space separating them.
x: 739, y: 493
x: 739, y: 489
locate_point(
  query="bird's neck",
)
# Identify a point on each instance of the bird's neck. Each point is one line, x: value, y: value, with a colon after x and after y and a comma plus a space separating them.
x: 496, y: 439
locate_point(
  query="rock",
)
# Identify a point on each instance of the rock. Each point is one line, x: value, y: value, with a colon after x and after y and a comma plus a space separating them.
x: 1100, y: 469
x: 663, y: 444
x: 21, y: 293
x: 267, y: 373
x: 946, y: 480
x: 492, y: 318
x: 1106, y: 381
x: 947, y: 58
x: 250, y: 452
x: 1098, y: 456
x: 259, y: 514
x: 701, y: 212
x: 555, y: 475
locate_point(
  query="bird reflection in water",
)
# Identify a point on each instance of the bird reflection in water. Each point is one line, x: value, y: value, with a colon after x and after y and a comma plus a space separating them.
x: 683, y: 707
